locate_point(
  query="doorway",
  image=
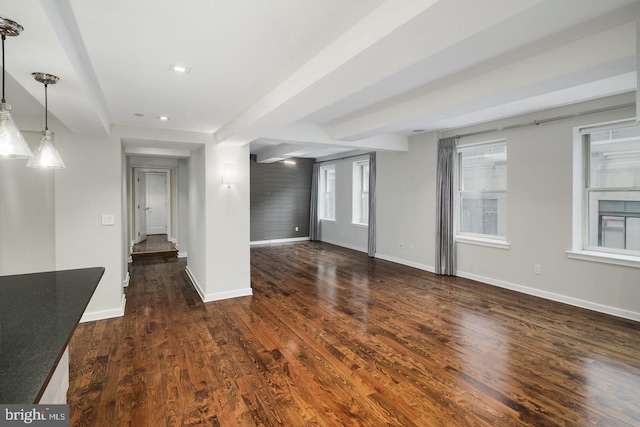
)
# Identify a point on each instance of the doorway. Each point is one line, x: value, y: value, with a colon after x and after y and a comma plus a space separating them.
x: 152, y: 212
x: 151, y: 203
x: 157, y: 197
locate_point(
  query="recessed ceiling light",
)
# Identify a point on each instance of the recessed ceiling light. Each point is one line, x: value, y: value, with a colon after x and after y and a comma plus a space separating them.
x: 163, y: 118
x: 138, y: 114
x: 183, y: 69
x: 417, y: 130
x: 289, y: 162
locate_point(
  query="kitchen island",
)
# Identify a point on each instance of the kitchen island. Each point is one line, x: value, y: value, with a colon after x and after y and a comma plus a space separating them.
x: 38, y: 315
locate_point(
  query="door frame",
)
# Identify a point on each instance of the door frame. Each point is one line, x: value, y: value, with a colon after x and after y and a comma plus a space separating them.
x: 136, y: 198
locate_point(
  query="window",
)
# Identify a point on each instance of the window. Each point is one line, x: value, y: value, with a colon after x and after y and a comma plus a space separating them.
x: 327, y: 193
x: 483, y: 191
x: 611, y: 206
x: 360, y: 195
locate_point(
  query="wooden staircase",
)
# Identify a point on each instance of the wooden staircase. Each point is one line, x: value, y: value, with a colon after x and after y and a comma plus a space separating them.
x: 155, y: 254
x: 156, y: 246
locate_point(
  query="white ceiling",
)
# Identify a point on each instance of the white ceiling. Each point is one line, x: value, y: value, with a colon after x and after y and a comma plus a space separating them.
x: 317, y: 77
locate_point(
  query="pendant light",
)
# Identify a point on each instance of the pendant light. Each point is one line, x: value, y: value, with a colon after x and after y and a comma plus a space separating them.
x: 12, y: 143
x: 46, y: 156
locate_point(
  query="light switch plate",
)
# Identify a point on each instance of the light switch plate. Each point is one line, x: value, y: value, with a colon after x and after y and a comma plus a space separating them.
x: 108, y: 219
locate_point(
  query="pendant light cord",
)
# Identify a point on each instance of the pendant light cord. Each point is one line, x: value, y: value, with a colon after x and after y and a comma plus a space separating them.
x: 46, y: 109
x: 3, y: 38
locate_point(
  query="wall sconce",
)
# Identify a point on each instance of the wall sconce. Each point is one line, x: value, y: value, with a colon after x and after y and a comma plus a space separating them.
x: 228, y: 174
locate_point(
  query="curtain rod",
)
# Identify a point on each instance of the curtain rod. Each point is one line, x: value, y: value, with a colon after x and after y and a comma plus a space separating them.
x: 552, y: 119
x: 345, y: 157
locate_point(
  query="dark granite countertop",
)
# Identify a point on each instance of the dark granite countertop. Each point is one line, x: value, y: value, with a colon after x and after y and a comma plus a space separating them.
x: 38, y: 314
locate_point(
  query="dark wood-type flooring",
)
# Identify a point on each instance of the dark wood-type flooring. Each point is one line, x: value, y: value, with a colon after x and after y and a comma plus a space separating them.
x: 333, y: 338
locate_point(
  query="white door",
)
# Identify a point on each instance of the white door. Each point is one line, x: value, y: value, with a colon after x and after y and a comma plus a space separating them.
x: 156, y: 203
x: 141, y: 216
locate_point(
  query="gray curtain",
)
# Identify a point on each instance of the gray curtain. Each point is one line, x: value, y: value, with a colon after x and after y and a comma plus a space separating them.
x: 446, y: 183
x: 314, y: 224
x: 371, y: 247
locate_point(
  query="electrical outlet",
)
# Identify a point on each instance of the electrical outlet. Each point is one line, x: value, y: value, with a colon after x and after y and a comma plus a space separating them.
x: 401, y: 245
x: 296, y: 228
x: 536, y: 269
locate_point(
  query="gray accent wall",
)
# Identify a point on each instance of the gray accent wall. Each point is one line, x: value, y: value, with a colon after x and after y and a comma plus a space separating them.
x: 280, y: 199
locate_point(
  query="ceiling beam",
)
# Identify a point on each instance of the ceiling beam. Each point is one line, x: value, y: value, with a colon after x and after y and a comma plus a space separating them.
x: 280, y: 152
x: 54, y: 46
x: 356, y: 60
x: 314, y: 134
x: 590, y: 59
x: 158, y: 152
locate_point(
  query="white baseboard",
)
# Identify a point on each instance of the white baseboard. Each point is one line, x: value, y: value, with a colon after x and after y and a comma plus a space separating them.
x: 407, y: 263
x: 195, y: 283
x: 182, y: 255
x: 227, y: 295
x: 601, y: 308
x: 347, y: 245
x: 126, y: 280
x: 218, y: 295
x: 105, y: 314
x: 618, y: 312
x: 272, y: 241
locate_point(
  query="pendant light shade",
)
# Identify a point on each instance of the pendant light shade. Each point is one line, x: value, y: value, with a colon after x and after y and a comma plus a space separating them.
x: 12, y: 143
x: 46, y: 155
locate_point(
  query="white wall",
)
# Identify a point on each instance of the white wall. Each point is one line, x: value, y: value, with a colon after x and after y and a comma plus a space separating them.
x: 27, y: 215
x: 126, y: 225
x: 153, y: 162
x: 405, y: 197
x: 218, y: 227
x: 183, y: 207
x: 342, y: 231
x: 90, y: 186
x: 539, y: 222
x: 228, y: 224
x: 196, y: 247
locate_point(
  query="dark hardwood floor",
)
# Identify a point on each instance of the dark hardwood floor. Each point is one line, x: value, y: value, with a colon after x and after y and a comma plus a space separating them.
x: 333, y: 338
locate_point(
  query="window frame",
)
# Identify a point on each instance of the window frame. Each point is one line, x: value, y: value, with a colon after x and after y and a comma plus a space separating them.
x: 357, y: 206
x: 581, y: 247
x: 588, y: 190
x: 489, y: 240
x: 322, y: 194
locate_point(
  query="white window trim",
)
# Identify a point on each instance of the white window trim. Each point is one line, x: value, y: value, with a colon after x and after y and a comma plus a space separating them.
x: 605, y: 257
x: 479, y: 239
x: 321, y: 195
x: 355, y: 190
x: 578, y: 251
x: 483, y: 241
